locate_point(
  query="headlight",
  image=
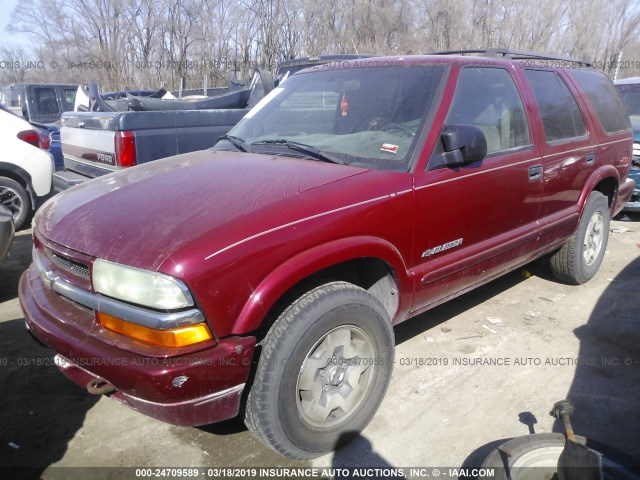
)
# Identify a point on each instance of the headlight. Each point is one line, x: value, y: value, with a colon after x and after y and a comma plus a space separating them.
x: 142, y: 287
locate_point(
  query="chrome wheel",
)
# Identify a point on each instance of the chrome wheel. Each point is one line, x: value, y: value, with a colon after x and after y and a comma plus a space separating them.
x: 335, y: 376
x: 593, y: 238
x: 11, y: 199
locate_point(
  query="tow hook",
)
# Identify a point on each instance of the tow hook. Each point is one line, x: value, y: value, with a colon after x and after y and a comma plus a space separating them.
x: 99, y: 386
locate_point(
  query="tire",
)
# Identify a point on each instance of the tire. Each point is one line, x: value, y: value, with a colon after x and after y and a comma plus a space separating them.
x: 14, y: 197
x: 580, y: 257
x: 536, y: 456
x: 303, y: 403
x: 531, y: 452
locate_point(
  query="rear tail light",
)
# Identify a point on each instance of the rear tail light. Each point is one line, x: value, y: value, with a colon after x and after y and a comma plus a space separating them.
x: 31, y: 137
x: 125, y: 149
x: 45, y: 142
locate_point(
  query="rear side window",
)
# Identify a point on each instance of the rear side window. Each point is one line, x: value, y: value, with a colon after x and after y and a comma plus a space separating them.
x: 605, y: 100
x: 561, y: 117
x: 488, y: 99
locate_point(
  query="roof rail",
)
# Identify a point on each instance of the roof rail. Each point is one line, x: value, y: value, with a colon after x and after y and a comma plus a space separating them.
x: 515, y: 54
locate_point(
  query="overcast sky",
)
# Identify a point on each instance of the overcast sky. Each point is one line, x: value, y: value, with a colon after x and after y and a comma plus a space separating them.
x: 6, y: 38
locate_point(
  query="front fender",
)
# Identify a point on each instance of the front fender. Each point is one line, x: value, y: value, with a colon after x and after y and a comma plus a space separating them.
x: 311, y: 261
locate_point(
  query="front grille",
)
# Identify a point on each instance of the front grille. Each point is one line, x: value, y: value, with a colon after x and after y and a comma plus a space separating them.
x: 71, y: 266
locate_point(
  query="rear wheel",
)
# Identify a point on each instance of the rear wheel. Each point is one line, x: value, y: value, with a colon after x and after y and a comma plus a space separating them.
x: 14, y: 197
x: 579, y: 259
x: 324, y: 369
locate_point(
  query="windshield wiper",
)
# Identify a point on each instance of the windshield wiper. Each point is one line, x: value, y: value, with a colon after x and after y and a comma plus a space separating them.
x: 309, y: 150
x: 237, y: 142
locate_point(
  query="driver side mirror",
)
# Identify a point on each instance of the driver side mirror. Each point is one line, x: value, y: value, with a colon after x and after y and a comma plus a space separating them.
x: 462, y: 144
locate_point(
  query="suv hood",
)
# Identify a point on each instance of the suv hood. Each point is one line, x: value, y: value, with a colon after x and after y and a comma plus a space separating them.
x: 139, y: 216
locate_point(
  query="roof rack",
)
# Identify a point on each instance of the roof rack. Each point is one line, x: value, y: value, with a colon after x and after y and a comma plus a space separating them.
x: 519, y: 54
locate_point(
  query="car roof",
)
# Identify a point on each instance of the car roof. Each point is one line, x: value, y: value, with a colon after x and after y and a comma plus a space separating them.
x: 498, y: 57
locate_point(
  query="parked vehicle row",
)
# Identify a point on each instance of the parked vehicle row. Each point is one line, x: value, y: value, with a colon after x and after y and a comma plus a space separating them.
x: 265, y: 275
x: 629, y: 90
x: 141, y: 127
x: 133, y: 130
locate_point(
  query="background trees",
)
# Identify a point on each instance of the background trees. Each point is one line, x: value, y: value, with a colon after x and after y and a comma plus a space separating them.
x: 152, y: 43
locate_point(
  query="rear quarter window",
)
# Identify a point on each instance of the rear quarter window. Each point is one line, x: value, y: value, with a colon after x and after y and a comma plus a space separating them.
x: 561, y: 117
x: 604, y: 99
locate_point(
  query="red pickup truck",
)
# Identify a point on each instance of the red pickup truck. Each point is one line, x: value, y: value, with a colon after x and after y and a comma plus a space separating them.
x: 264, y: 276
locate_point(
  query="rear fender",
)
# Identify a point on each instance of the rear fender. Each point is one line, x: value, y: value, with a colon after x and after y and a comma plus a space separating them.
x: 602, y: 173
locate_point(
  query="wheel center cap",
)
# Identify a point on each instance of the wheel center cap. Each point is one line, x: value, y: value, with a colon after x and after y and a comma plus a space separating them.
x: 335, y: 376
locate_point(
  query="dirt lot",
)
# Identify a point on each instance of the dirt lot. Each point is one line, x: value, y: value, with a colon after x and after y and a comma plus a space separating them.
x: 445, y: 406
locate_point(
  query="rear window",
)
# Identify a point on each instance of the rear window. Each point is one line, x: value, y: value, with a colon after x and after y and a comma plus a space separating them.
x: 561, y: 117
x: 604, y: 99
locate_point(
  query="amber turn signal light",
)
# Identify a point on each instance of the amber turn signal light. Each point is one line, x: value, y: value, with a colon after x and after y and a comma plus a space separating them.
x: 177, y: 337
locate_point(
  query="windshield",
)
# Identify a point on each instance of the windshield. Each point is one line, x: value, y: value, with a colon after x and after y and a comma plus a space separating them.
x: 369, y: 117
x: 630, y: 95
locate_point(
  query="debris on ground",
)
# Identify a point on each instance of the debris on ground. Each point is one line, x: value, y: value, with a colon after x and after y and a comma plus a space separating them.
x: 491, y: 330
x: 555, y: 298
x: 530, y: 314
x: 494, y: 320
x: 445, y: 329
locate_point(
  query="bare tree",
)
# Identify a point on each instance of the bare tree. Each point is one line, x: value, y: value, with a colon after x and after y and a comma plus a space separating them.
x: 148, y: 43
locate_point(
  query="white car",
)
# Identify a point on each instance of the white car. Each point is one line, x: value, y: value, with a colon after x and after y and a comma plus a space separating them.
x: 26, y: 171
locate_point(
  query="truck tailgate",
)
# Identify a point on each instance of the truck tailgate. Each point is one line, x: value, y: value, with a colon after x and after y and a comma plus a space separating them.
x: 91, y: 140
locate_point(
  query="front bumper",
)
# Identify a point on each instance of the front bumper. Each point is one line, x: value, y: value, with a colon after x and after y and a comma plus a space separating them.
x: 196, y: 388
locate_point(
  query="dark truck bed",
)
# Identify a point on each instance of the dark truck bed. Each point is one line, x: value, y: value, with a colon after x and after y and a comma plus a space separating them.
x: 96, y: 143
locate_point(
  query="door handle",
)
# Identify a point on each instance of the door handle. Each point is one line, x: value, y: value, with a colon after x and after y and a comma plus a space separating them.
x: 535, y: 173
x: 591, y: 158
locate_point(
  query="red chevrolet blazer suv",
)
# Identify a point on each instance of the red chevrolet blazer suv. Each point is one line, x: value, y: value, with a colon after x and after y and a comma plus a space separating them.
x: 263, y: 277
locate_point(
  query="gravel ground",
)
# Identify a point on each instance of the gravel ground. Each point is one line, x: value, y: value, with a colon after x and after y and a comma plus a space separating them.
x: 469, y: 374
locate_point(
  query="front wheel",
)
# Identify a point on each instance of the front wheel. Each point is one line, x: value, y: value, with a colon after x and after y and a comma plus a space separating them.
x: 580, y: 257
x: 324, y: 369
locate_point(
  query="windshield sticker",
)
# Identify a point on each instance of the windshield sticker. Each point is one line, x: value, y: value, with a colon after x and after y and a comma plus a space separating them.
x: 344, y: 105
x: 389, y: 147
